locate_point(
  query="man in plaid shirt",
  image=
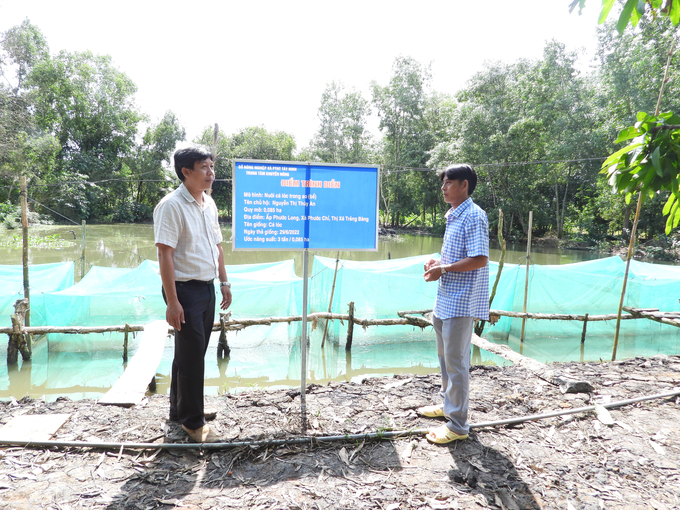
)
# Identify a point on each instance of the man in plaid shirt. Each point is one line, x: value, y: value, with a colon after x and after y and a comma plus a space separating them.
x: 462, y: 296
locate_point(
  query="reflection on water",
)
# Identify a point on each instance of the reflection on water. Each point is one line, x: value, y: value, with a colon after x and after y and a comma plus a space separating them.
x: 274, y: 365
x: 262, y: 356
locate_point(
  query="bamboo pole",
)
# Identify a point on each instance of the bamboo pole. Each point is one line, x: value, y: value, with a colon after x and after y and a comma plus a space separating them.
x: 24, y: 256
x: 330, y: 302
x: 629, y: 255
x: 526, y: 282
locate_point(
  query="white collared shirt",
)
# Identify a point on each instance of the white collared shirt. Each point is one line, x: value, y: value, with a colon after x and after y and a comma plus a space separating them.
x: 193, y: 231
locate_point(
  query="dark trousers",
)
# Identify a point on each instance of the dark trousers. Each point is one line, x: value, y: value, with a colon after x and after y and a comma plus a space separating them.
x: 191, y: 343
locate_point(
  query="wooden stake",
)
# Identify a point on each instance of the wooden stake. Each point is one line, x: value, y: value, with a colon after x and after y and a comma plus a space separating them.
x: 330, y: 302
x: 526, y: 282
x: 18, y: 339
x: 350, y: 327
x: 223, y: 350
x: 585, y: 325
x: 125, y: 343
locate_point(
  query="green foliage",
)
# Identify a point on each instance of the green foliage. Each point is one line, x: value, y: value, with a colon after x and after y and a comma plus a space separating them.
x: 632, y: 71
x: 149, y: 168
x: 249, y: 143
x: 22, y: 47
x: 406, y: 111
x: 533, y: 129
x: 10, y: 215
x: 511, y: 116
x: 585, y: 224
x: 130, y: 212
x: 635, y: 10
x: 53, y: 241
x: 258, y: 143
x: 342, y: 136
x: 650, y: 163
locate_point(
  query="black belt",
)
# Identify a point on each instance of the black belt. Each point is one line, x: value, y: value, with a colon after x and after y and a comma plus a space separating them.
x: 197, y: 282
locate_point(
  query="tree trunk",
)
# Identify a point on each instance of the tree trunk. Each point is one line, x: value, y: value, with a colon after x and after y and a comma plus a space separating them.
x: 564, y: 206
x: 557, y: 208
x: 522, y: 223
x: 626, y: 223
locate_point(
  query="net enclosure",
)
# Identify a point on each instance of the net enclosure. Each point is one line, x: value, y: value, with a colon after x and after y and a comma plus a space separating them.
x: 115, y: 296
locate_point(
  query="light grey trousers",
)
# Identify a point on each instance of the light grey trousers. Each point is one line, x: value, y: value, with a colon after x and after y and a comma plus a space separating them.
x: 453, y: 348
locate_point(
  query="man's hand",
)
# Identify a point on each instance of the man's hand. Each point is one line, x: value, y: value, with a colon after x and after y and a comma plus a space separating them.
x: 174, y: 314
x: 433, y: 273
x: 226, y: 297
x: 429, y: 264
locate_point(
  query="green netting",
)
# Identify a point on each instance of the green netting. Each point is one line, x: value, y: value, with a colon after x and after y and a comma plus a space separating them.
x: 113, y: 296
x: 42, y: 278
x: 592, y: 287
x: 379, y: 289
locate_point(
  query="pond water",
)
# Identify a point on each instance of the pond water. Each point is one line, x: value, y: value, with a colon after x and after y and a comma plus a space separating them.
x: 90, y: 374
x: 126, y: 245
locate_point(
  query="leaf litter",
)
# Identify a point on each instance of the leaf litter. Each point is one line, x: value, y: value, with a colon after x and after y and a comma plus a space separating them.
x: 626, y: 457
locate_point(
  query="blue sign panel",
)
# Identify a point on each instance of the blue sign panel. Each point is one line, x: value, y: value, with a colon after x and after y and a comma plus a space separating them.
x: 294, y: 206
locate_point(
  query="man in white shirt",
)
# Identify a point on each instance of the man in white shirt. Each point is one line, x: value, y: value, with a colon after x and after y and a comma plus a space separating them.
x: 190, y: 257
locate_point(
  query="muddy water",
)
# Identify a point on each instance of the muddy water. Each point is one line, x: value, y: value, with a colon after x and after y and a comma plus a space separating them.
x: 90, y: 374
x: 126, y: 245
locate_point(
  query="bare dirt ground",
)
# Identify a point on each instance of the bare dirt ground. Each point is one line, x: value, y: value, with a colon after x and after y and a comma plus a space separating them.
x: 575, y: 461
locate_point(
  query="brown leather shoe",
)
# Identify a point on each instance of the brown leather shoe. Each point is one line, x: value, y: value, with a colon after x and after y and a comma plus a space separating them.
x: 201, y: 435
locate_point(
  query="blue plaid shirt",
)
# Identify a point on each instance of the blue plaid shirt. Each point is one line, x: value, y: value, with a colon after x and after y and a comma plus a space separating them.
x: 464, y: 294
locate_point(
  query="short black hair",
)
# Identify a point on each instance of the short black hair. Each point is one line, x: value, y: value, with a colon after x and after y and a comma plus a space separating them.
x: 461, y: 172
x: 185, y: 158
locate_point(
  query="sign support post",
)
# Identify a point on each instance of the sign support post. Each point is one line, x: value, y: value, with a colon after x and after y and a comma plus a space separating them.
x: 303, y: 342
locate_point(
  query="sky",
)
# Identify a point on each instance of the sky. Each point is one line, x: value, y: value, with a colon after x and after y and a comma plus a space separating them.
x: 266, y: 63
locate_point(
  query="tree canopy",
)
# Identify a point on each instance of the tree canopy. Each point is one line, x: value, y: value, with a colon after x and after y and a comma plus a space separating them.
x: 537, y: 131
